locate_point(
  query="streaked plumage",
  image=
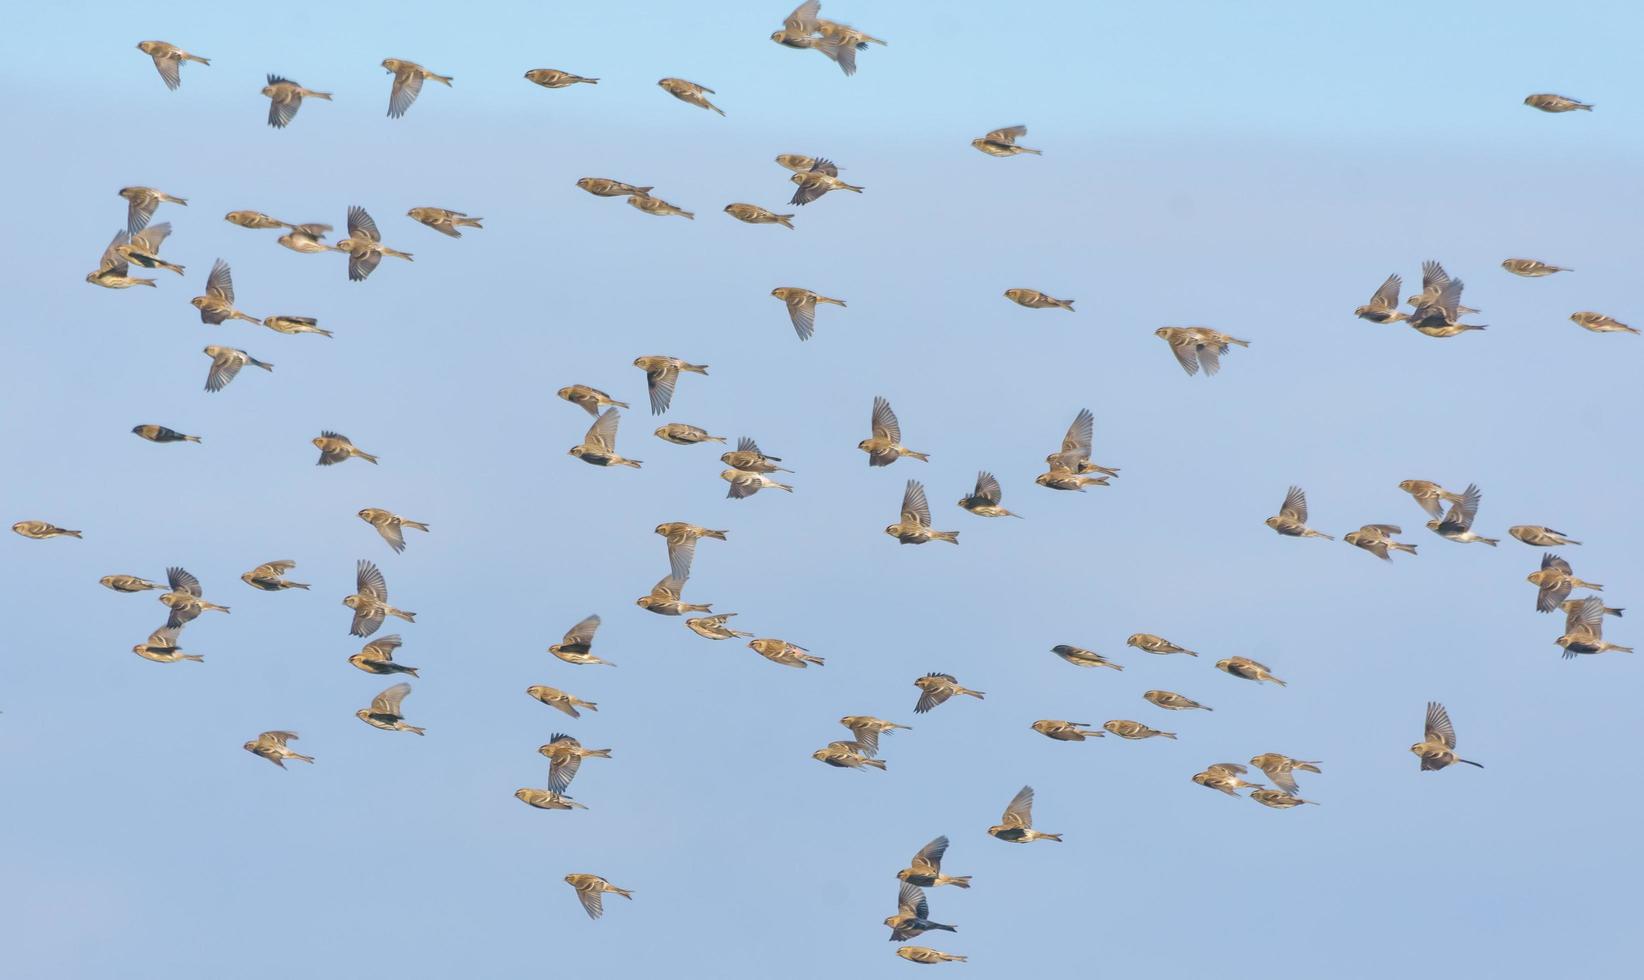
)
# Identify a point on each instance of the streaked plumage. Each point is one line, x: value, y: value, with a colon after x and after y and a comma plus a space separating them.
x: 681, y: 434
x: 443, y: 220
x: 925, y: 870
x: 1538, y: 536
x: 385, y: 711
x: 309, y: 239
x: 817, y: 181
x: 661, y: 374
x: 364, y: 245
x: 161, y: 647
x: 159, y: 433
x: 1555, y: 581
x: 335, y: 447
x: 848, y: 755
x: 1291, y: 520
x: 912, y: 916
x: 657, y: 206
x: 557, y: 699
x: 714, y: 628
x: 1250, y: 670
x: 294, y: 325
x: 1584, y: 630
x: 690, y: 92
x: 1155, y: 644
x: 1457, y: 523
x: 937, y: 688
x: 802, y: 30
x: 867, y: 730
x: 1002, y: 142
x: 1531, y: 268
x: 370, y: 601
x: 801, y: 305
x: 664, y: 599
x: 1282, y: 769
x: 606, y: 187
x: 1134, y: 730
x: 128, y: 583
x: 1035, y: 300
x: 408, y: 79
x: 577, y: 646
x: 1224, y: 778
x: 590, y: 400
x: 598, y: 446
x: 1172, y: 701
x: 785, y: 653
x: 1198, y: 347
x: 272, y: 746
x: 984, y: 500
x: 113, y: 270
x: 590, y: 888
x: 1599, y: 323
x: 1378, y: 540
x: 285, y: 97
x: 142, y: 202
x: 1016, y: 826
x: 390, y: 525
x: 1074, y: 456
x: 914, y: 526
x: 1548, y: 102
x: 1384, y: 303
x: 746, y: 484
x: 185, y: 598
x: 217, y: 305
x: 554, y: 78
x: 168, y: 60
x: 143, y: 248
x: 1437, y: 748
x: 1080, y: 657
x: 1429, y: 495
x: 753, y: 214
x: 1277, y: 799
x: 377, y: 657
x: 885, y: 447
x: 1065, y: 731
x: 255, y: 220
x: 748, y: 457
x: 926, y: 955
x: 543, y: 799
x: 565, y: 755
x: 682, y: 539
x: 270, y: 577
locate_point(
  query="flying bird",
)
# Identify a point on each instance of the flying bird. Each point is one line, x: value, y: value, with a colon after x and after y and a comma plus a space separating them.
x: 912, y: 915
x: 364, y: 245
x: 606, y: 187
x: 591, y: 889
x: 161, y: 647
x: 590, y: 400
x: 285, y: 97
x: 1291, y: 520
x: 788, y: 655
x: 385, y: 711
x: 1080, y: 657
x: 1282, y: 769
x: 272, y: 746
x: 554, y: 698
x: 984, y: 500
x: 143, y: 248
x: 270, y: 577
x: 1224, y: 778
x: 577, y: 646
x: 657, y: 206
x: 681, y: 434
x: 1134, y: 730
x: 1247, y: 669
x: 444, y: 220
x: 217, y: 305
x: 1429, y: 495
x: 554, y: 78
x: 113, y: 270
x: 690, y: 92
x: 370, y: 601
x: 408, y: 79
x: 1531, y: 268
x: 753, y: 214
x: 390, y: 525
x: 682, y: 538
x: 1016, y: 826
x: 937, y: 688
x: 1065, y: 731
x: 377, y: 657
x: 926, y: 955
x: 1457, y: 524
x: 664, y: 599
x: 161, y: 434
x: 822, y: 177
x: 1554, y: 583
x: 1384, y: 303
x: 565, y: 755
x: 185, y: 598
x: 226, y: 363
x: 661, y: 374
x: 1599, y: 323
x: 925, y: 870
x: 142, y: 202
x: 713, y: 627
x: 885, y: 447
x: 914, y: 526
x: 801, y: 305
x: 1198, y: 347
x: 1378, y: 540
x: 1002, y: 142
x: 168, y: 60
x: 1537, y: 536
x: 598, y: 446
x: 1035, y: 300
x: 1155, y: 644
x: 335, y: 447
x: 1584, y: 630
x: 1437, y: 748
x: 1548, y: 102
x: 1172, y: 701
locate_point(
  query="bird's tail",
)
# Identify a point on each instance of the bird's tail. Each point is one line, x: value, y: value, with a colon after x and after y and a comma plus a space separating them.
x: 365, y: 456
x: 717, y: 535
x: 642, y: 190
x: 1066, y: 304
x: 1169, y: 735
x: 1616, y: 612
x: 298, y: 585
x: 209, y: 605
x: 413, y: 729
x: 1037, y: 153
x: 937, y: 925
x: 416, y: 524
x: 699, y: 368
x: 1620, y: 649
x: 958, y: 881
x: 1054, y: 837
x: 1321, y: 534
x: 716, y: 108
x: 632, y: 462
x: 324, y: 333
x: 319, y: 95
x: 1470, y: 762
x: 597, y: 753
x: 785, y: 220
x: 409, y: 617
x: 1492, y: 542
x: 852, y: 187
x: 442, y: 79
x: 1585, y: 108
x: 706, y: 607
x: 686, y: 214
x: 146, y: 282
x: 1246, y: 343
x: 978, y: 695
x: 624, y: 892
x: 1306, y: 767
x: 76, y: 534
x: 949, y: 536
x: 1401, y: 546
x: 1578, y: 583
x: 195, y: 57
x: 784, y: 486
x: 174, y: 267
x: 301, y: 758
x: 880, y: 765
x: 191, y: 438
x: 470, y: 222
x: 262, y: 364
x: 830, y: 299
x: 808, y: 658
x: 398, y: 255
x: 1277, y: 681
x: 922, y: 457
x: 199, y: 660
x: 249, y: 319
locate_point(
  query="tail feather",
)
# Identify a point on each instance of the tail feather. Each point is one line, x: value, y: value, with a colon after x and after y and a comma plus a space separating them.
x: 319, y: 95
x: 785, y: 220
x: 302, y: 758
x: 413, y: 729
x: 960, y: 881
x: 470, y: 222
x: 416, y: 524
x: 191, y: 438
x: 597, y: 753
x: 922, y: 457
x: 409, y: 617
x: 978, y: 695
x: 195, y: 57
x: 366, y: 456
x: 876, y: 763
x: 718, y: 535
x: 949, y: 536
x: 1054, y: 837
x: 1492, y: 542
x: 443, y: 79
x: 1169, y: 735
x: 200, y: 660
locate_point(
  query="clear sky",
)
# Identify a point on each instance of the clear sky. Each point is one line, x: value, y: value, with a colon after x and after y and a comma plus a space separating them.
x: 1259, y: 168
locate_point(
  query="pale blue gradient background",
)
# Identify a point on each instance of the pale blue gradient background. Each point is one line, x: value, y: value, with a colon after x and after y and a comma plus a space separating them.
x: 1257, y: 167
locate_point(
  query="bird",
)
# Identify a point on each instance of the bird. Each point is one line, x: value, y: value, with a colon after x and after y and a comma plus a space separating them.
x: 270, y: 577
x: 143, y: 248
x: 142, y: 202
x: 753, y: 214
x: 1433, y: 281
x: 681, y: 434
x: 606, y: 187
x: 1571, y: 605
x: 1065, y: 731
x: 1198, y: 347
x: 128, y: 583
x: 1035, y: 300
x: 1016, y: 826
x: 285, y: 97
x: 1457, y: 524
x: 390, y: 525
x: 799, y: 162
x: 408, y: 79
x: 847, y: 755
x: 801, y: 305
x: 335, y: 447
x: 1155, y: 644
x: 1531, y: 268
x: 1001, y: 142
x: 444, y: 220
x: 1074, y: 456
x: 984, y: 500
x: 1378, y: 540
x: 746, y: 484
x: 924, y: 954
x: 885, y: 447
x: 554, y: 698
x: 591, y: 888
x: 1277, y: 799
x: 690, y: 92
x: 1250, y: 670
x: 867, y: 730
x: 821, y: 178
x: 598, y: 446
x: 168, y: 60
x: 1599, y: 323
x: 370, y: 601
x: 159, y: 433
x: 1281, y: 769
x: 713, y: 627
x: 589, y: 399
x: 1554, y: 583
x: 1060, y: 479
x: 544, y: 799
x: 661, y: 374
x: 1537, y: 536
x: 554, y: 78
x: 309, y: 239
x: 1134, y: 730
x: 385, y: 712
x: 41, y: 530
x: 925, y: 869
x: 1080, y: 657
x: 257, y: 220
x: 748, y: 458
x: 272, y: 746
x: 113, y: 270
x: 377, y: 657
x: 664, y: 599
x: 576, y: 647
x: 1548, y: 102
x: 185, y: 598
x: 657, y: 206
x: 565, y: 755
x: 803, y: 30
x: 1437, y: 748
x: 364, y: 245
x: 1172, y: 701
x: 784, y: 653
x: 912, y: 915
x: 294, y: 325
x: 1224, y: 777
x: 217, y: 305
x: 1440, y: 317
x: 937, y: 688
x: 161, y: 647
x: 682, y: 538
x: 1429, y: 495
x: 1584, y: 631
x: 1291, y: 520
x: 1384, y: 303
x: 914, y: 526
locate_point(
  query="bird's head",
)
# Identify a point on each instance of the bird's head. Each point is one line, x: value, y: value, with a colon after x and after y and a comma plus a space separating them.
x: 1272, y: 522
x: 644, y: 601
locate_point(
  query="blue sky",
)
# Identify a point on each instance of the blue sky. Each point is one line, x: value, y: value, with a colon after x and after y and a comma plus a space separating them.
x: 1256, y: 168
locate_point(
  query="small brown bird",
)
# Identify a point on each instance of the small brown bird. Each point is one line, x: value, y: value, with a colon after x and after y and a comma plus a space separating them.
x: 444, y: 220
x: 272, y: 746
x: 1457, y: 524
x: 554, y: 78
x: 217, y: 305
x: 1016, y: 826
x: 544, y: 799
x: 745, y: 484
x: 270, y: 577
x: 803, y: 30
x: 682, y: 539
x: 1172, y: 701
x: 1155, y: 644
x: 606, y: 187
x: 1531, y: 268
x: 817, y: 181
x: 748, y: 458
x: 912, y: 915
x: 914, y: 526
x: 1002, y: 142
x: 753, y: 214
x: 937, y: 688
x: 1059, y: 479
x: 867, y: 730
x: 885, y: 446
x: 408, y: 79
x: 664, y: 599
x: 390, y: 525
x: 848, y: 755
x: 577, y: 646
x: 143, y: 248
x: 128, y: 583
x: 1247, y: 669
x: 1134, y: 730
x: 1429, y: 495
x: 255, y: 220
x: 1080, y: 657
x: 285, y: 97
x: 925, y: 870
x: 565, y: 755
x: 801, y: 305
x: 161, y: 647
x: 713, y: 627
x: 141, y: 203
x: 335, y: 447
x: 984, y: 500
x: 309, y: 239
x: 1571, y: 605
x: 295, y: 325
x: 1540, y: 537
x: 185, y: 598
x: 926, y: 955
x: 590, y: 400
x: 113, y: 271
x: 1282, y: 769
x: 681, y: 434
x: 661, y: 374
x: 370, y: 601
x: 1554, y: 583
x: 1278, y: 800
x: 1584, y: 631
x: 385, y: 712
x: 1065, y: 731
x: 598, y: 447
x: 1437, y: 748
x: 1074, y: 456
x: 377, y: 657
x: 168, y: 61
x: 554, y: 698
x: 1433, y: 281
x: 1198, y: 347
x: 1378, y: 540
x: 1440, y: 316
x: 785, y: 653
x: 691, y: 92
x: 159, y: 433
x: 1224, y: 778
x: 364, y: 245
x: 1384, y: 303
x: 1599, y: 323
x: 1035, y: 300
x: 1548, y: 102
x: 658, y: 207
x: 799, y: 162
x: 590, y: 888
x: 1291, y: 520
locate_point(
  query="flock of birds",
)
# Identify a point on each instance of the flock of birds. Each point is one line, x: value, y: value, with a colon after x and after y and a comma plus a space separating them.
x: 1436, y: 311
